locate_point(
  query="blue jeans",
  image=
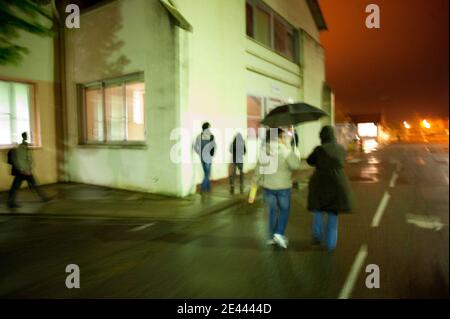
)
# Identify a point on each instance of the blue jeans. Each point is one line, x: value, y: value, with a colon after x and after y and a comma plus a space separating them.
x: 206, y: 184
x: 326, y: 233
x: 279, y: 204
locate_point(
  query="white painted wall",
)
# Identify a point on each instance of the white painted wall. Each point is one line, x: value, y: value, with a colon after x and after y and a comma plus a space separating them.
x: 220, y: 66
x: 120, y: 38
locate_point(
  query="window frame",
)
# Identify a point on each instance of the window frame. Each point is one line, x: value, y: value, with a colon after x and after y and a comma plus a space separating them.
x: 274, y: 15
x: 34, y: 140
x: 137, y: 77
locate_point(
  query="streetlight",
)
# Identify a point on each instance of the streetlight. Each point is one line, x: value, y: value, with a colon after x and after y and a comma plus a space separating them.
x: 406, y: 125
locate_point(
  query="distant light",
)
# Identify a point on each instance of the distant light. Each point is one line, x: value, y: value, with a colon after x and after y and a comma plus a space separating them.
x: 406, y: 125
x: 367, y: 130
x: 426, y: 124
x: 370, y: 145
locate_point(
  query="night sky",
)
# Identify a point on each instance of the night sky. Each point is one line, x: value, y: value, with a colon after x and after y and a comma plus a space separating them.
x: 399, y: 69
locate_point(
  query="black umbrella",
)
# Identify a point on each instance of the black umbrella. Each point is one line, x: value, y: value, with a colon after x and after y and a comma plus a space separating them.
x: 292, y: 114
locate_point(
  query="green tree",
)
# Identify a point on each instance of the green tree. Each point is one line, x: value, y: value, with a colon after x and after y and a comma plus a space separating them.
x: 16, y: 16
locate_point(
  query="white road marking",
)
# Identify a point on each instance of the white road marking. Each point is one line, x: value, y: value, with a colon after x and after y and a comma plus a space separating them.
x: 393, y: 180
x: 380, y: 210
x: 349, y: 284
x: 426, y: 222
x: 139, y: 228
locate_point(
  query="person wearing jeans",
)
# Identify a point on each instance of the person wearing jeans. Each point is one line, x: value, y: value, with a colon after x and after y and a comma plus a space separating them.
x: 206, y: 184
x: 329, y: 188
x: 205, y: 147
x: 279, y: 204
x: 325, y: 232
x: 237, y: 150
x: 276, y: 163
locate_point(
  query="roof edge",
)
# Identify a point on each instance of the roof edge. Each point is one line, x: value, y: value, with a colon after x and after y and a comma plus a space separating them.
x: 317, y: 14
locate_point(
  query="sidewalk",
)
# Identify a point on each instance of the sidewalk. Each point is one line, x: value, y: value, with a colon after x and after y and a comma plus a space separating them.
x: 88, y: 201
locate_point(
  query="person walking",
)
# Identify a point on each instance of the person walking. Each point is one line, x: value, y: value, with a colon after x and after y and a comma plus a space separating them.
x: 276, y: 163
x: 237, y: 150
x: 205, y: 147
x: 20, y: 160
x: 329, y: 188
x: 295, y: 144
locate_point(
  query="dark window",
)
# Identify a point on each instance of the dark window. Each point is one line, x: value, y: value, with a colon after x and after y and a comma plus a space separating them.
x: 262, y: 26
x: 284, y: 38
x: 271, y: 30
x: 249, y: 13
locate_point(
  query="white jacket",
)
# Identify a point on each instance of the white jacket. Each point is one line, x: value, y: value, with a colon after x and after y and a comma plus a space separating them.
x: 275, y: 166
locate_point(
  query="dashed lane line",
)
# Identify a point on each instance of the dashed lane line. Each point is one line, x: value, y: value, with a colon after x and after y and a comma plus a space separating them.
x: 142, y: 227
x: 352, y: 277
x: 393, y: 180
x: 380, y: 210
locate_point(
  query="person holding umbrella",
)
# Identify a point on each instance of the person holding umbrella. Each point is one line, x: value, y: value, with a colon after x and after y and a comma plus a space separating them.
x: 278, y: 183
x: 274, y: 170
x: 329, y: 188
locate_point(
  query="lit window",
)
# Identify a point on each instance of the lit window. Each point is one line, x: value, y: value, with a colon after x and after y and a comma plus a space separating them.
x: 94, y: 114
x: 114, y: 110
x: 253, y: 115
x: 16, y: 112
x: 135, y: 107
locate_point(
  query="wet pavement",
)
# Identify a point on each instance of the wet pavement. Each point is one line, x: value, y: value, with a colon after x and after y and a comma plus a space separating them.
x: 400, y: 225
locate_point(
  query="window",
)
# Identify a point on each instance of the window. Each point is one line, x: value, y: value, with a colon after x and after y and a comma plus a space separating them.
x: 114, y: 110
x: 16, y: 112
x: 271, y: 30
x: 262, y: 26
x: 253, y: 115
x: 284, y: 38
x: 249, y: 15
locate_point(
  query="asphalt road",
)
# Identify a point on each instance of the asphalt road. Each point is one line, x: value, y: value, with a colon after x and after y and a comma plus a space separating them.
x: 400, y: 228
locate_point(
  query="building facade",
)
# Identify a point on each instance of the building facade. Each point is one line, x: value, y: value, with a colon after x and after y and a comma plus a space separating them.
x: 139, y: 77
x: 28, y: 104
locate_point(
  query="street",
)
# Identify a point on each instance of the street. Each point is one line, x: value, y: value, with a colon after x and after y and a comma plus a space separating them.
x: 400, y: 225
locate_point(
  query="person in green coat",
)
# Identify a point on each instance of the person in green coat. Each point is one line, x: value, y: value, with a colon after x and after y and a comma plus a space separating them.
x: 329, y: 188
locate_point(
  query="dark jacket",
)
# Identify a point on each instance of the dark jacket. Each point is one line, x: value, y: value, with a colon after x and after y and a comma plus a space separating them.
x: 238, y: 149
x: 329, y: 188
